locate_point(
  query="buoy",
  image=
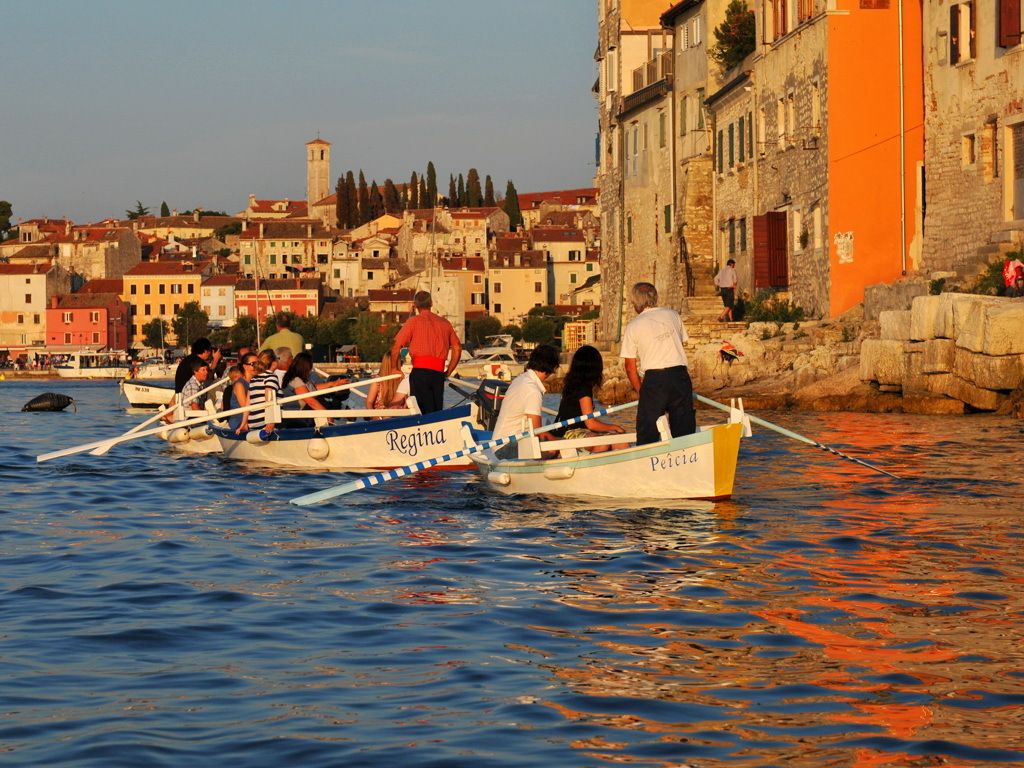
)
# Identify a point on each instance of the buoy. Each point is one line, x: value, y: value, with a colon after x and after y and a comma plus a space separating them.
x: 499, y: 478
x: 257, y: 436
x: 179, y: 435
x: 48, y: 401
x: 318, y: 449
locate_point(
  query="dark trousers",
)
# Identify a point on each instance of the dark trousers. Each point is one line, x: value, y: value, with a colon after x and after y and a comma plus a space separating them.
x: 427, y: 387
x: 668, y: 390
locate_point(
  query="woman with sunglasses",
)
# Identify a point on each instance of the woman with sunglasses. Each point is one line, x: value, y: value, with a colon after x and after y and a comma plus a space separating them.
x: 240, y: 395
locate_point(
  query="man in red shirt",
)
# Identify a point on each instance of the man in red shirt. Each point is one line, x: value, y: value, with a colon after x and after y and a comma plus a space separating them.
x: 429, y: 338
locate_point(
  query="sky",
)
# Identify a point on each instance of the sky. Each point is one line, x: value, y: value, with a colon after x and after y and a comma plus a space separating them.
x: 201, y: 102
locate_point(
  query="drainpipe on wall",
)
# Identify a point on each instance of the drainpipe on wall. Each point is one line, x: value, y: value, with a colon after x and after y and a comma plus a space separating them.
x: 903, y: 150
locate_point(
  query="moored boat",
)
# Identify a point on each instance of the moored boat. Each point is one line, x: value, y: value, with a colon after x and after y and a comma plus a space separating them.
x: 141, y: 394
x: 94, y: 365
x: 496, y: 360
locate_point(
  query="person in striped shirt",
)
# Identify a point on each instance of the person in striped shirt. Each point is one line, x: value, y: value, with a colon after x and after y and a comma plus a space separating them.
x: 264, y: 382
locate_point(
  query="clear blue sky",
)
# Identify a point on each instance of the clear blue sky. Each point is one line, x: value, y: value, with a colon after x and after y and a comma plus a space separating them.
x: 200, y: 102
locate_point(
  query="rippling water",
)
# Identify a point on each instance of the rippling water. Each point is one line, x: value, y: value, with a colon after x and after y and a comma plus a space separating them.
x: 162, y: 610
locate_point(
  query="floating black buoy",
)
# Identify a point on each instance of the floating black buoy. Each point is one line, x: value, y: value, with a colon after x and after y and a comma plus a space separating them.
x: 48, y: 401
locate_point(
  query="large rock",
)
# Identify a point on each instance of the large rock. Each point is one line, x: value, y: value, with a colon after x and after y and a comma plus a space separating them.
x: 925, y: 314
x: 974, y: 396
x: 882, y: 360
x: 989, y: 371
x: 895, y: 324
x: 933, y: 406
x: 946, y: 315
x: 937, y: 355
x: 994, y: 328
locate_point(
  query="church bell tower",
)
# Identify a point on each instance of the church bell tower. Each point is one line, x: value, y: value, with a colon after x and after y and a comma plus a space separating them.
x: 318, y: 170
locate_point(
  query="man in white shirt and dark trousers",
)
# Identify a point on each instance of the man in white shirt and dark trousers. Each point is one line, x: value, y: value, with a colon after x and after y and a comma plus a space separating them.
x: 524, y: 397
x: 655, y: 338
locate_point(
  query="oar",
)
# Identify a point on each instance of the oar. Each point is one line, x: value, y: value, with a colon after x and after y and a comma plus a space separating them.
x: 101, y: 451
x: 190, y: 422
x: 795, y: 436
x: 393, y: 474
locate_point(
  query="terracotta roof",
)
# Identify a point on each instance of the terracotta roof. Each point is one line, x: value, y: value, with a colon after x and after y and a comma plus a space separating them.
x: 528, y: 200
x: 556, y: 235
x: 473, y: 263
x: 103, y: 285
x: 184, y: 221
x: 384, y: 294
x: 221, y: 280
x: 25, y: 269
x: 277, y: 206
x: 285, y: 284
x: 88, y: 300
x: 318, y: 140
x: 169, y: 267
x: 35, y: 251
x: 528, y: 260
x: 284, y: 228
x: 370, y: 263
x: 331, y: 199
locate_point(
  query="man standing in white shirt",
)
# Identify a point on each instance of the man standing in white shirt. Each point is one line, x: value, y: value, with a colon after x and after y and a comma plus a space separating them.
x: 727, y: 279
x: 655, y: 338
x: 525, y: 394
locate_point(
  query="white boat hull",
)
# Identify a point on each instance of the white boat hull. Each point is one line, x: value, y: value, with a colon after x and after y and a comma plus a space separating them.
x: 364, y: 446
x: 142, y: 395
x: 698, y: 466
x: 113, y: 372
x: 156, y: 372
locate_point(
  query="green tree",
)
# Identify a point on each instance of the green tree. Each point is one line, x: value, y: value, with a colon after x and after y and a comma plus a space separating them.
x: 220, y: 337
x: 735, y: 37
x: 488, y: 192
x: 460, y: 192
x: 364, y: 199
x: 474, y: 196
x: 164, y: 210
x: 414, y: 192
x: 515, y: 216
x: 478, y: 330
x: 137, y: 212
x: 190, y: 323
x: 154, y: 332
x: 431, y: 184
x: 376, y: 202
x: 513, y: 330
x: 453, y: 193
x: 243, y: 332
x: 342, y: 204
x: 234, y: 228
x: 539, y: 329
x: 6, y: 209
x: 392, y: 200
x: 373, y: 336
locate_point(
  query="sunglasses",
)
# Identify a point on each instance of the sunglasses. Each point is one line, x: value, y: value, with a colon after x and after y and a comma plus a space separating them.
x: 250, y: 362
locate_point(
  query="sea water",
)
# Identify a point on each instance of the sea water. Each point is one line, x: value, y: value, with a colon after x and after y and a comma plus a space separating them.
x: 163, y: 610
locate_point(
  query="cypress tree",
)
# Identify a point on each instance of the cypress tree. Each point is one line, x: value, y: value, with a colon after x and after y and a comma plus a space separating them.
x: 364, y: 199
x: 461, y: 192
x: 488, y: 192
x: 376, y: 202
x: 453, y: 197
x: 515, y: 216
x: 392, y: 202
x: 340, y: 204
x: 473, y: 194
x: 414, y: 192
x: 350, y: 192
x: 164, y: 210
x: 431, y: 184
x: 424, y: 200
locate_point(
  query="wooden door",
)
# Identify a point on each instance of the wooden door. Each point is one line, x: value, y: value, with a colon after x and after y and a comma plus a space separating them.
x: 771, y: 262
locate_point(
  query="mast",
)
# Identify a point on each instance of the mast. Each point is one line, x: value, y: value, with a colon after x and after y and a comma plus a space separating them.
x: 256, y: 275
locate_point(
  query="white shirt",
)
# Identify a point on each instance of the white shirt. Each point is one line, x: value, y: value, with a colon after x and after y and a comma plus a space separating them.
x: 525, y: 397
x: 655, y: 339
x: 727, y: 277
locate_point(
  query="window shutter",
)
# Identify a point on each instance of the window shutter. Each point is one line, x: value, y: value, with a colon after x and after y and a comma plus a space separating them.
x: 954, y: 34
x: 721, y: 152
x: 741, y: 134
x: 762, y: 277
x: 970, y: 8
x: 1009, y: 23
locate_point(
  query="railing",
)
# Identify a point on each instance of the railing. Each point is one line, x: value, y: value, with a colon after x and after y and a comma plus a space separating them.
x: 658, y: 68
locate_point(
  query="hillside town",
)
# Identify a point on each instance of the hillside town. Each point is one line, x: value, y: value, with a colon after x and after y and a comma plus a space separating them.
x: 759, y: 132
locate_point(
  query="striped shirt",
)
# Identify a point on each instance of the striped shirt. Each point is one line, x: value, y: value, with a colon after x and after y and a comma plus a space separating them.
x: 258, y: 396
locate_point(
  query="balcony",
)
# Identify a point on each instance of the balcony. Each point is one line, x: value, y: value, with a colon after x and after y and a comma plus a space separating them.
x: 651, y: 81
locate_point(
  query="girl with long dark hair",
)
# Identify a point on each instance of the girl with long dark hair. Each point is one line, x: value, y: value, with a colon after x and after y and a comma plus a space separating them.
x: 586, y: 372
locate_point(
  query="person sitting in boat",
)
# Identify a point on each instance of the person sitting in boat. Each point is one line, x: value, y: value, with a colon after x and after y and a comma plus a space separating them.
x: 234, y: 374
x: 285, y: 336
x: 586, y: 372
x: 524, y: 398
x: 298, y: 381
x: 195, y: 385
x: 263, y: 383
x: 239, y: 422
x: 202, y: 349
x: 284, y: 362
x: 391, y: 393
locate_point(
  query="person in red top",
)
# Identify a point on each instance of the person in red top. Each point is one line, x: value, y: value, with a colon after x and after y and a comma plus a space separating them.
x: 430, y: 338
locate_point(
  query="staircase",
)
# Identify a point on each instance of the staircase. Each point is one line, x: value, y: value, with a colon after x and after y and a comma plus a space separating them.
x: 1006, y: 240
x: 701, y: 321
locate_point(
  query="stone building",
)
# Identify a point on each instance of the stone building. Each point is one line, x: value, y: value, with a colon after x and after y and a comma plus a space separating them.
x: 974, y: 132
x: 159, y: 290
x: 26, y: 291
x: 278, y: 249
x: 629, y: 36
x: 534, y: 206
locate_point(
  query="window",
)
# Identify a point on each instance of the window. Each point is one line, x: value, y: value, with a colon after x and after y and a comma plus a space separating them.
x: 967, y: 153
x: 636, y: 147
x: 248, y: 259
x: 95, y: 337
x: 732, y: 144
x: 1009, y: 23
x: 537, y: 287
x: 191, y: 288
x: 695, y: 34
x: 369, y: 275
x: 790, y: 119
x: 176, y: 288
x: 805, y: 9
x: 629, y: 229
x: 497, y: 308
x: 572, y: 277
x: 816, y: 223
x: 94, y: 317
x: 146, y: 309
x: 131, y: 289
x: 337, y: 274
x: 21, y: 319
x: 477, y: 279
x: 661, y: 130
x: 684, y: 38
x: 750, y: 135
x: 762, y: 131
x: 815, y: 108
x: 740, y: 136
x: 67, y: 318
x: 273, y: 258
x: 163, y: 309
x: 243, y: 310
x: 780, y: 122
x: 721, y: 151
x: 497, y: 287
x: 961, y: 33
x: 161, y: 289
x: 67, y: 338
x: 177, y: 307
x: 743, y: 235
x: 668, y: 218
x: 682, y: 115
x: 35, y: 319
x: 145, y: 289
x: 700, y: 108
x: 797, y: 231
x: 28, y: 298
x: 732, y: 236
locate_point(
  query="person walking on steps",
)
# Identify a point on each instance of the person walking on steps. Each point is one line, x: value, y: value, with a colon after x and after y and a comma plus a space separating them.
x: 727, y: 280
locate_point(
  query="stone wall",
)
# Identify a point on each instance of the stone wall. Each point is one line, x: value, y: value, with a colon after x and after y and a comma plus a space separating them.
x: 959, y: 346
x: 968, y: 108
